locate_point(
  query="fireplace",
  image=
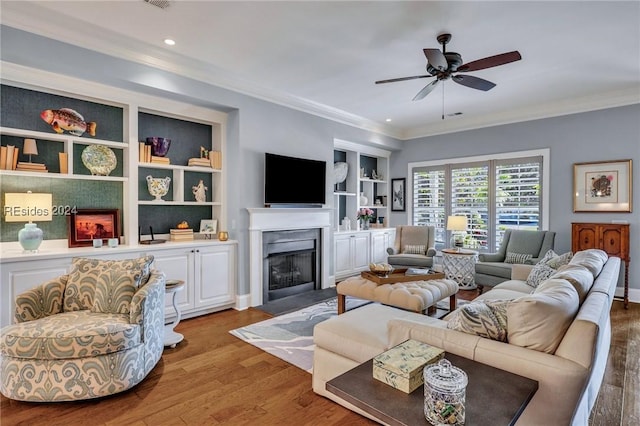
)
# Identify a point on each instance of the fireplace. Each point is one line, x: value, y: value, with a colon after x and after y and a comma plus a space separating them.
x: 291, y: 263
x: 263, y: 221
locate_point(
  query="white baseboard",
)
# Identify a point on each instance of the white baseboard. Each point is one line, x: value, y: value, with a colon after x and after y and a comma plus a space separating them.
x: 243, y: 302
x: 634, y: 294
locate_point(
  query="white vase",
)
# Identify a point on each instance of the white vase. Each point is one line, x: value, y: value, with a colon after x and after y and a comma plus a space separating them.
x: 363, y: 199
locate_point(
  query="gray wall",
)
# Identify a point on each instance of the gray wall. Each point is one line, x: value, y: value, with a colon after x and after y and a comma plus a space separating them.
x: 610, y: 134
x: 254, y: 126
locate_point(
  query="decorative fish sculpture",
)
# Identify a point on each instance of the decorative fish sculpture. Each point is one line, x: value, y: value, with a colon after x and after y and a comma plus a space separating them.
x: 68, y: 119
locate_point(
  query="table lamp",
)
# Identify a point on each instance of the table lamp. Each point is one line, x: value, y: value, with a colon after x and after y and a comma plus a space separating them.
x: 27, y: 207
x: 458, y: 227
x: 30, y: 147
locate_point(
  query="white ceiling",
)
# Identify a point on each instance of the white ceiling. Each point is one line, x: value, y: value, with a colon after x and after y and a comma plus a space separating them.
x: 324, y: 57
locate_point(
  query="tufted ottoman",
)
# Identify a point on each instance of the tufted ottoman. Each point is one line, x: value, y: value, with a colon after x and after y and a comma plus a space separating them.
x: 416, y: 296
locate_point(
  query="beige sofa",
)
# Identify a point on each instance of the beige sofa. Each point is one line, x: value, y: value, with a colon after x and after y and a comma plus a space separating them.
x: 569, y: 365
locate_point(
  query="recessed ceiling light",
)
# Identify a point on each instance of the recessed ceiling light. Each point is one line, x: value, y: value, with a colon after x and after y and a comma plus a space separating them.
x: 388, y: 120
x: 169, y: 42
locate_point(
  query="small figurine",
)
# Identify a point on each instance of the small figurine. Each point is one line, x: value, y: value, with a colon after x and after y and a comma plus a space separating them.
x: 200, y: 192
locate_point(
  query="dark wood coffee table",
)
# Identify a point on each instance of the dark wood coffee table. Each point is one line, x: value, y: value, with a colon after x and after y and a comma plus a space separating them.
x: 493, y: 396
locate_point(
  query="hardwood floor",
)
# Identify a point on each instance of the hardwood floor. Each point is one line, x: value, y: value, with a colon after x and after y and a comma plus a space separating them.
x: 214, y: 378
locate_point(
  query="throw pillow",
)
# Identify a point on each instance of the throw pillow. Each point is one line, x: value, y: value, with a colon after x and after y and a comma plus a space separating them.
x: 578, y: 276
x: 539, y: 321
x: 592, y: 259
x: 484, y: 318
x: 78, y: 294
x: 115, y: 289
x: 414, y: 249
x: 520, y: 258
x: 546, y: 267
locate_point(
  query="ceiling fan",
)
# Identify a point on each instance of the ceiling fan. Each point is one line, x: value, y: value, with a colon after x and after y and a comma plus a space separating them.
x: 442, y: 66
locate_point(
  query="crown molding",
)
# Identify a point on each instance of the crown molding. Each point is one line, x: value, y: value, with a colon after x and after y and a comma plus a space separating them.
x: 537, y: 112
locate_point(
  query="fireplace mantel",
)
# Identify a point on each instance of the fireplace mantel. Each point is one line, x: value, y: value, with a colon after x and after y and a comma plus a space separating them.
x: 276, y: 219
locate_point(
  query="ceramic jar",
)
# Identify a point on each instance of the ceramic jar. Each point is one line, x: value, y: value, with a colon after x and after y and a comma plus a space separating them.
x: 158, y: 187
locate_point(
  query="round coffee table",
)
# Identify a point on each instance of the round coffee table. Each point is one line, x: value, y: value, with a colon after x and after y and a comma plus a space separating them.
x: 171, y: 338
x: 460, y: 266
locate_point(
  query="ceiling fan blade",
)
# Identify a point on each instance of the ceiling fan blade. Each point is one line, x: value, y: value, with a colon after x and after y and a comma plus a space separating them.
x: 491, y: 61
x: 393, y: 80
x: 436, y: 59
x: 426, y: 90
x: 473, y: 82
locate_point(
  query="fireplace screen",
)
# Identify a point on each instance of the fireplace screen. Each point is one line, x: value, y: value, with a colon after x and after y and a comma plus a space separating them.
x: 290, y: 270
x: 291, y: 263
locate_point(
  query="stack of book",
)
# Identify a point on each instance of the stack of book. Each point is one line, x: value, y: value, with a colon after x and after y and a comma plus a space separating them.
x: 145, y: 155
x: 200, y: 162
x: 9, y: 157
x: 160, y: 160
x: 181, y: 234
x: 31, y: 167
x: 216, y: 159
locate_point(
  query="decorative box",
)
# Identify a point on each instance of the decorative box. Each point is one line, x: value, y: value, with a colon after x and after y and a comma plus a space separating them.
x: 402, y: 365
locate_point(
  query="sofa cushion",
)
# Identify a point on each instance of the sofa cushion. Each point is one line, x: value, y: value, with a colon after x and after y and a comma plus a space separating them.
x: 80, y: 289
x: 410, y: 260
x: 484, y: 318
x: 414, y: 249
x: 521, y: 258
x: 540, y: 320
x: 115, y: 289
x: 592, y: 259
x: 515, y: 285
x: 498, y: 269
x: 547, y: 266
x: 68, y: 335
x: 578, y: 276
x: 358, y: 334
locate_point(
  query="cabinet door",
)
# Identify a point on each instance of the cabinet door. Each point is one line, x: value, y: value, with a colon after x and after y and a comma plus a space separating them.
x: 612, y: 240
x: 379, y: 245
x: 343, y: 262
x: 21, y: 276
x: 585, y: 236
x: 215, y: 276
x: 178, y: 265
x: 360, y: 253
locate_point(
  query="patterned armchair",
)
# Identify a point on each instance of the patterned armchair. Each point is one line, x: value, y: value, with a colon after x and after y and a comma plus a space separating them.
x: 94, y: 332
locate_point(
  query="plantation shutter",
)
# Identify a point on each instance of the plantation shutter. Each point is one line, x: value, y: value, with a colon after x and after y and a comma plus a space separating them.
x: 469, y: 197
x: 429, y: 199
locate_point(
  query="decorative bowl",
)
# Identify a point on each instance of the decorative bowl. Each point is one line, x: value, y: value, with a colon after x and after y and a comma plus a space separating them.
x: 381, y: 269
x: 159, y: 146
x: 158, y: 187
x: 99, y: 159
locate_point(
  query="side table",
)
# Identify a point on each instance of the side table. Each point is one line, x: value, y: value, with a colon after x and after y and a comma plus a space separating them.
x: 460, y: 266
x: 171, y: 338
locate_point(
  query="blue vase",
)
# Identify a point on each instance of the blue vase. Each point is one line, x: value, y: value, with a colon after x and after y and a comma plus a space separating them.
x: 30, y: 237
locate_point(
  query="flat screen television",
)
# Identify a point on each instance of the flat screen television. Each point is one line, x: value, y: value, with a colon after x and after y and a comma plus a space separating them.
x: 294, y: 181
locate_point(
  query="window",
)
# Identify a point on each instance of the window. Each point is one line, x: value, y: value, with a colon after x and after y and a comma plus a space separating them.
x: 494, y: 194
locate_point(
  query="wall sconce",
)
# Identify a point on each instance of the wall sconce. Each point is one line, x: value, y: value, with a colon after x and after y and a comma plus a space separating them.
x: 27, y: 207
x: 458, y: 227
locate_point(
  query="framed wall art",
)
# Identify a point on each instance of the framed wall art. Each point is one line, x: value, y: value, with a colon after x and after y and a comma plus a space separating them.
x: 86, y: 225
x: 602, y: 186
x: 398, y: 192
x: 208, y: 226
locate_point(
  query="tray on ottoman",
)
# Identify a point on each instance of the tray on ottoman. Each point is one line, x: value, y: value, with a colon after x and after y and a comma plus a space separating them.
x: 399, y: 276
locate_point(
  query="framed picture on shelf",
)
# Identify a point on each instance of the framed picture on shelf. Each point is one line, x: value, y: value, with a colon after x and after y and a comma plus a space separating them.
x: 208, y: 226
x: 398, y: 192
x: 86, y: 225
x: 602, y: 186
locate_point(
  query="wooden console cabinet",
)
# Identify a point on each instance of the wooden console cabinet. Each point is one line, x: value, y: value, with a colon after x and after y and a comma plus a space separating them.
x: 613, y: 238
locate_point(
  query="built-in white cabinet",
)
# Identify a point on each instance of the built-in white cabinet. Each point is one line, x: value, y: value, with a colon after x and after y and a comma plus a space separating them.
x: 352, y: 253
x: 209, y: 272
x: 355, y: 250
x: 208, y: 269
x: 380, y: 241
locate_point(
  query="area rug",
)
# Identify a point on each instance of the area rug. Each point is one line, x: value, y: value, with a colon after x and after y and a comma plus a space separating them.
x: 290, y: 336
